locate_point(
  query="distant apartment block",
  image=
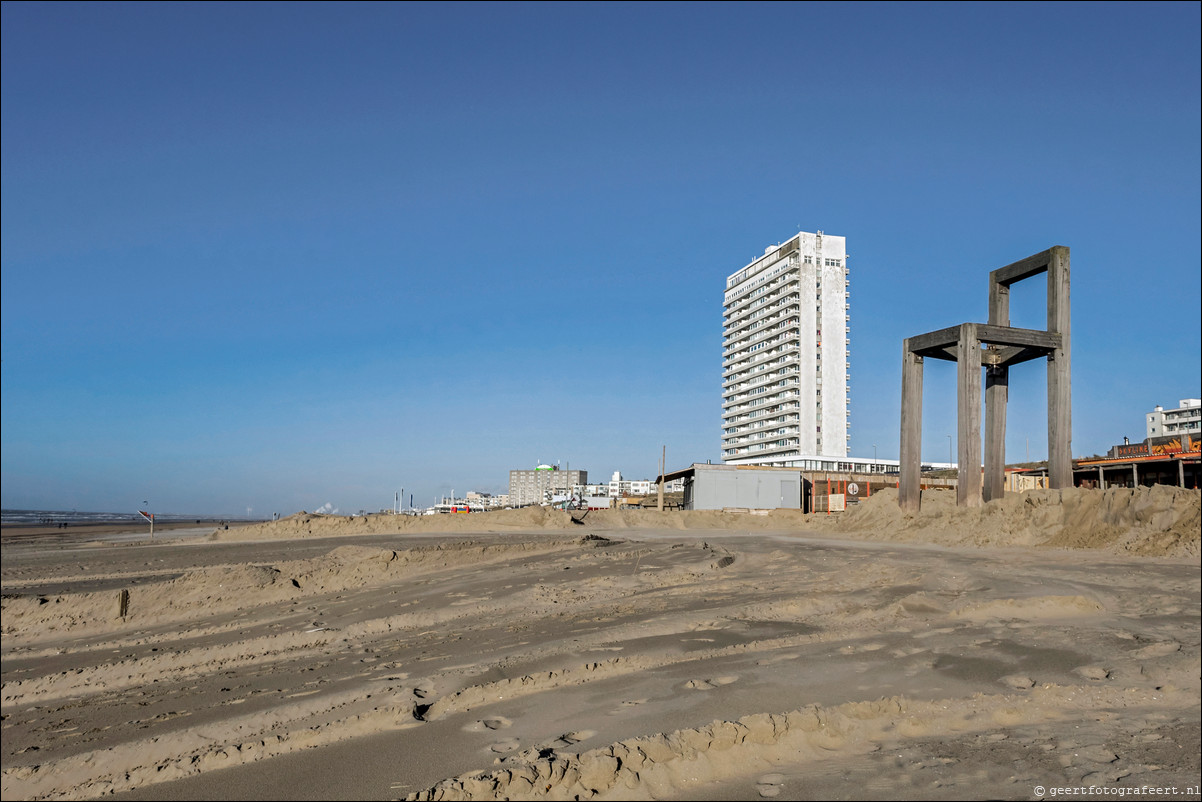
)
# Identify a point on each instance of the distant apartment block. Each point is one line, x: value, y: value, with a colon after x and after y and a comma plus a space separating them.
x: 541, y: 483
x: 785, y: 356
x: 486, y: 500
x: 626, y: 488
x: 1185, y: 419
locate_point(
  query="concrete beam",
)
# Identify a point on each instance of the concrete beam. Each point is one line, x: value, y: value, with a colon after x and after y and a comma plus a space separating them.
x: 932, y: 343
x: 948, y: 354
x: 1025, y: 338
x: 935, y: 340
x: 1023, y: 268
x: 1007, y: 355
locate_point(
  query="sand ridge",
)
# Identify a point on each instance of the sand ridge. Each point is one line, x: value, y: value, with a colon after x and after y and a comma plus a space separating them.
x: 1148, y: 521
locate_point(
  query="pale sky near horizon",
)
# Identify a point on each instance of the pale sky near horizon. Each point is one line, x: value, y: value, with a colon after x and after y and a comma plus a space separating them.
x: 272, y: 257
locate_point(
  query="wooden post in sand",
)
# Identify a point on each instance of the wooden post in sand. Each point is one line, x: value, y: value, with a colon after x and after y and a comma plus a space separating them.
x: 123, y: 603
x: 662, y: 458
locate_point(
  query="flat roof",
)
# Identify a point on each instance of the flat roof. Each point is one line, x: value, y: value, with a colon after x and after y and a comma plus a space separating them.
x: 672, y: 476
x: 1186, y: 455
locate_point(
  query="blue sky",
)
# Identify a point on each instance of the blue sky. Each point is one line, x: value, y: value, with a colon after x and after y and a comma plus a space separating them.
x: 270, y: 257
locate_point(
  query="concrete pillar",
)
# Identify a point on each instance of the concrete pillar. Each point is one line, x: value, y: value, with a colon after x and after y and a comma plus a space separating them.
x: 997, y: 389
x: 1101, y: 478
x: 1060, y: 412
x: 1181, y: 473
x: 1135, y: 474
x: 968, y: 393
x: 909, y: 490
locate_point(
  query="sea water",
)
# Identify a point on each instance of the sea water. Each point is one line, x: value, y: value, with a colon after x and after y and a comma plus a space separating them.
x: 78, y: 518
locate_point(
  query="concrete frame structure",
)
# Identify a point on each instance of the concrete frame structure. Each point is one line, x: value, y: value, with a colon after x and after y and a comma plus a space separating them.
x: 1003, y: 346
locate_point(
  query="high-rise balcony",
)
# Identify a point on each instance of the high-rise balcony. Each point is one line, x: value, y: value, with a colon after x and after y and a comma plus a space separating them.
x: 755, y: 359
x: 748, y: 379
x: 768, y: 378
x: 790, y: 356
x: 784, y: 310
x: 735, y: 404
x: 776, y: 277
x: 782, y: 294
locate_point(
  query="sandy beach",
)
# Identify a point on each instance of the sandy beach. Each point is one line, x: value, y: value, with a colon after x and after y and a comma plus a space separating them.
x: 1046, y: 642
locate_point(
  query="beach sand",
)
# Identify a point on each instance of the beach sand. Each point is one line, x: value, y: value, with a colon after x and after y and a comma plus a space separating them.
x: 1047, y: 641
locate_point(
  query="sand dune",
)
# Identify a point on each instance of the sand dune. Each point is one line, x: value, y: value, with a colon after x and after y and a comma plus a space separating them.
x: 1150, y: 521
x: 1051, y: 639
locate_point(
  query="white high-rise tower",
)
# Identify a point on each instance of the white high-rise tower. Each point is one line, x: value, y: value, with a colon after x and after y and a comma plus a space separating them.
x: 784, y: 358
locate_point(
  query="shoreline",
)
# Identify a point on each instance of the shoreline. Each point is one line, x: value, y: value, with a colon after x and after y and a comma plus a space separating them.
x: 17, y: 532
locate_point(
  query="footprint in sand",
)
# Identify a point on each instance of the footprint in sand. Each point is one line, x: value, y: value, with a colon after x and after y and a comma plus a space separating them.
x: 562, y: 742
x: 489, y: 724
x: 906, y: 652
x: 627, y: 703
x: 770, y: 785
x: 506, y: 745
x: 1158, y: 649
x: 1017, y: 681
x: 570, y: 739
x: 709, y: 684
x: 1093, y: 672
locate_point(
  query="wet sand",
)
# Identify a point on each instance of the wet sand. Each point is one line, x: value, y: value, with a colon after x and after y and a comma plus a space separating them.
x: 75, y: 534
